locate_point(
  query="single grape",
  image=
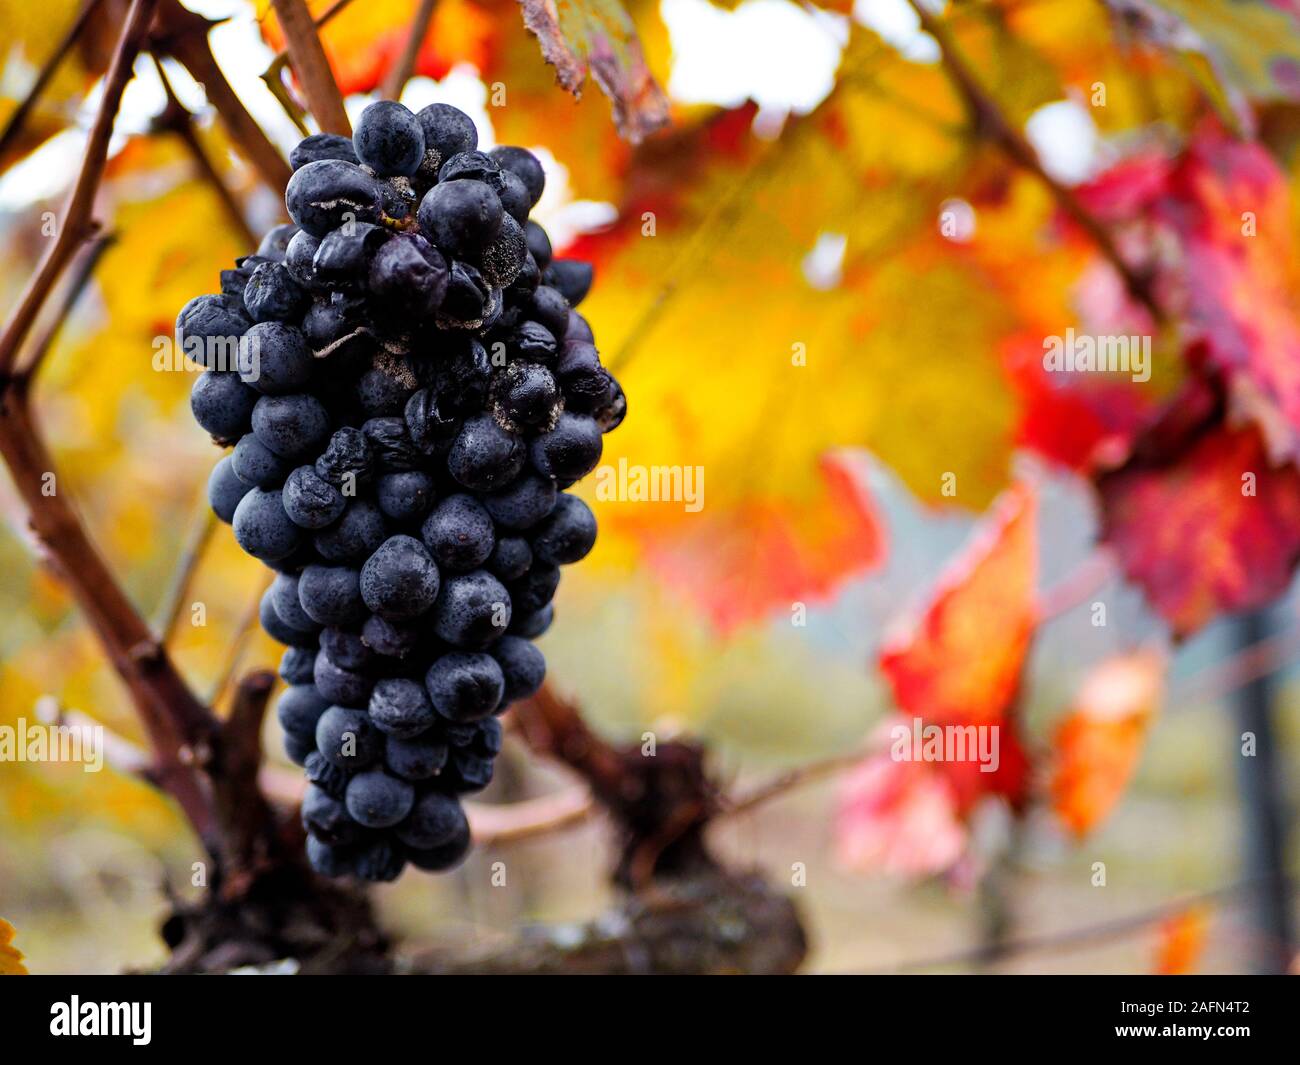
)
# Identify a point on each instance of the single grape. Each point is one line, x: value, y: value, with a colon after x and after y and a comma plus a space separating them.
x: 458, y: 533
x: 389, y: 139
x: 225, y: 490
x: 434, y: 820
x: 262, y: 527
x: 399, y: 580
x: 472, y: 610
x: 222, y: 404
x: 523, y: 667
x: 465, y: 687
x: 401, y: 707
x: 377, y: 800
x: 460, y: 217
x: 568, y: 534
x: 319, y: 146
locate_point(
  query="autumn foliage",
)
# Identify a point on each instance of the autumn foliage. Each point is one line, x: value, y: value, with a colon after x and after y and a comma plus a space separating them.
x: 824, y: 312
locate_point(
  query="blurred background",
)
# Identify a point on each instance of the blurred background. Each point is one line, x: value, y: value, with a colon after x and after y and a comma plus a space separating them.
x: 827, y: 284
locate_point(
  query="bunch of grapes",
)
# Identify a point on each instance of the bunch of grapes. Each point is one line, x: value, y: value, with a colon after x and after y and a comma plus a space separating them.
x: 412, y: 393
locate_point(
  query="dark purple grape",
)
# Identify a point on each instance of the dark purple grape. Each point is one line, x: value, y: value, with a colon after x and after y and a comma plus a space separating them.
x: 571, y: 276
x: 389, y: 139
x: 262, y: 527
x: 433, y: 821
x: 568, y: 451
x: 225, y: 490
x: 410, y: 275
x: 460, y: 217
x: 447, y: 131
x: 310, y: 500
x: 319, y: 146
x: 484, y: 456
x: 472, y: 610
x: 331, y: 595
x: 522, y: 665
x: 568, y: 534
x: 328, y: 193
x: 523, y: 504
x: 458, y: 533
x: 465, y: 687
x: 401, y: 707
x: 272, y: 295
x: 355, y: 536
x: 399, y: 580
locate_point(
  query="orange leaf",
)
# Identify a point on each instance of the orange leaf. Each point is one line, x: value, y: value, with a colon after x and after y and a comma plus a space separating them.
x: 1181, y: 941
x: 740, y: 564
x: 961, y: 662
x: 1099, y: 743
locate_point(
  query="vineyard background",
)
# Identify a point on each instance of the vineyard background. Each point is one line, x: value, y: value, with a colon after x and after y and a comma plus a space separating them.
x: 909, y: 214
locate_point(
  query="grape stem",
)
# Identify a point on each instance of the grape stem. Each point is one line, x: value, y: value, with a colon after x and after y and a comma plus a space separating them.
x: 307, y: 56
x: 273, y: 75
x: 77, y: 225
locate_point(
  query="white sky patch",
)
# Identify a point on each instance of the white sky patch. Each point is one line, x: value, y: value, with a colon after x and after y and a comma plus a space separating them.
x: 1066, y: 140
x: 823, y: 267
x: 779, y: 55
x: 897, y: 24
x: 574, y: 218
x: 44, y: 173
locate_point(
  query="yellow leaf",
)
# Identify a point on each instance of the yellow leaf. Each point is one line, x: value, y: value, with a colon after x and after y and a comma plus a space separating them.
x: 11, y: 958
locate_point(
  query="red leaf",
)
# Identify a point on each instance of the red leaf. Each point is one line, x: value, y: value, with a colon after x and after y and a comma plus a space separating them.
x: 1216, y: 223
x: 1197, y: 533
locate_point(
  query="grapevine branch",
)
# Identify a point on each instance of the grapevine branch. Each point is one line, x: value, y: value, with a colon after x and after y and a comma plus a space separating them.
x: 1073, y: 938
x: 402, y: 70
x: 39, y: 348
x: 307, y: 55
x: 991, y: 122
x: 273, y: 75
x: 184, y: 35
x: 180, y: 729
x: 77, y: 224
x: 18, y: 120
